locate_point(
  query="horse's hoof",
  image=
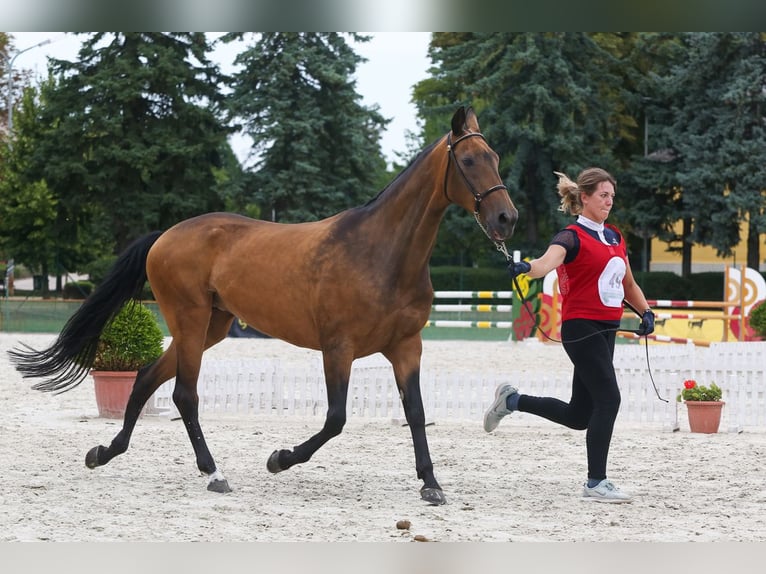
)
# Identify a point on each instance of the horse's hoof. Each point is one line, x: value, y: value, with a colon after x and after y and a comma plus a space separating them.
x: 433, y: 496
x: 91, y: 459
x: 273, y: 463
x: 220, y: 486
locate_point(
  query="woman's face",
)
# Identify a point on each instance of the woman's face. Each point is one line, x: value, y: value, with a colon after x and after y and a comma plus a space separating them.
x: 598, y: 205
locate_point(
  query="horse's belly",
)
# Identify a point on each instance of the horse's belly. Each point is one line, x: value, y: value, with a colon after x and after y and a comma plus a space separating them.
x: 287, y: 320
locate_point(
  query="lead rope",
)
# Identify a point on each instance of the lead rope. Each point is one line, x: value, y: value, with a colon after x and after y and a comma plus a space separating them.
x: 500, y: 246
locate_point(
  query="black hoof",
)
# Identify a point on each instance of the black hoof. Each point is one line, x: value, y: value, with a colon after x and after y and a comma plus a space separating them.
x: 273, y: 463
x: 91, y: 459
x: 221, y: 486
x: 433, y: 496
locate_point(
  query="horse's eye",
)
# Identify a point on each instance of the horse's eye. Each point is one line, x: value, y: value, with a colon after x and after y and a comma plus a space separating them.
x: 468, y: 161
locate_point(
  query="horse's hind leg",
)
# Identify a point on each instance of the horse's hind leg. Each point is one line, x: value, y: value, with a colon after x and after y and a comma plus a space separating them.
x: 405, y: 359
x: 337, y: 372
x: 148, y: 380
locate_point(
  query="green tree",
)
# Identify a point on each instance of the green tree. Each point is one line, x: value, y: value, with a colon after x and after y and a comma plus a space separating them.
x: 316, y: 148
x: 547, y: 101
x: 36, y: 230
x: 741, y: 155
x: 710, y: 126
x: 649, y: 199
x: 134, y: 132
x: 28, y: 213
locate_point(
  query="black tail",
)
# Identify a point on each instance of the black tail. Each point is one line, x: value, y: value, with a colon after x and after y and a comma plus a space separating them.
x: 67, y: 361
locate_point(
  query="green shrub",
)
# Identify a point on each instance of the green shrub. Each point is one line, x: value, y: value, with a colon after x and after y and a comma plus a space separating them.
x: 454, y: 278
x: 77, y: 290
x: 757, y: 318
x: 130, y: 341
x: 97, y: 269
x: 664, y: 285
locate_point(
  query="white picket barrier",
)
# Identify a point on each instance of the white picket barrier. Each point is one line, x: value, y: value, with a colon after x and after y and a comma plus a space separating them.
x: 252, y: 386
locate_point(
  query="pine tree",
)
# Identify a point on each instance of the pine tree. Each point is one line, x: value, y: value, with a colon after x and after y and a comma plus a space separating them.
x: 134, y: 131
x: 715, y: 94
x: 315, y: 146
x: 547, y: 101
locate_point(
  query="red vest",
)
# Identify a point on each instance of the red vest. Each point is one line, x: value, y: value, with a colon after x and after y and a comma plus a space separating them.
x: 591, y: 284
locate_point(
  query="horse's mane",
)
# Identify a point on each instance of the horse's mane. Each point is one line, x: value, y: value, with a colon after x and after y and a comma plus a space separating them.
x: 424, y: 152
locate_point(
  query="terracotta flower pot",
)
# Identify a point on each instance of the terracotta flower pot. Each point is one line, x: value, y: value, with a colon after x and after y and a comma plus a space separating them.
x: 704, y: 416
x: 112, y: 392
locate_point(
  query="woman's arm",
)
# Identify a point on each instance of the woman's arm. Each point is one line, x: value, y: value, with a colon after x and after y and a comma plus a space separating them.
x: 633, y: 293
x: 548, y: 261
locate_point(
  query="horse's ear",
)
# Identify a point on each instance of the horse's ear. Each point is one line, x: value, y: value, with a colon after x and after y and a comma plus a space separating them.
x: 458, y: 121
x: 464, y: 119
x: 471, y: 120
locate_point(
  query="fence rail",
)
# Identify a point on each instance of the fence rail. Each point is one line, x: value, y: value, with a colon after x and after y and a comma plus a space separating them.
x: 266, y: 386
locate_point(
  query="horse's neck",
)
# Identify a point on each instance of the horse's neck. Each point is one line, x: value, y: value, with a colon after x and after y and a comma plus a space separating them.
x: 407, y: 215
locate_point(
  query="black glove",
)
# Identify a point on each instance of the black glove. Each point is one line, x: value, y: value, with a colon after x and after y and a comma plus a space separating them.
x: 517, y: 267
x: 647, y: 323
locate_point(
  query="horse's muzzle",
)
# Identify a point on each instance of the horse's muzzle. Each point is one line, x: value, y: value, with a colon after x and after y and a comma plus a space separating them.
x: 501, y: 226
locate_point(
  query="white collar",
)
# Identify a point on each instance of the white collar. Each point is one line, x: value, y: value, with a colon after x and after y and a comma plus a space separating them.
x: 590, y: 224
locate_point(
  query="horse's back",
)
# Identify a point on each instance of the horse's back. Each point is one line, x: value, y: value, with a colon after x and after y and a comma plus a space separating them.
x: 267, y: 274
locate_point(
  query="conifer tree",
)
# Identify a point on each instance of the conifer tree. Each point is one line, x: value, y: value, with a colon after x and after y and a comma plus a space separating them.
x: 315, y: 146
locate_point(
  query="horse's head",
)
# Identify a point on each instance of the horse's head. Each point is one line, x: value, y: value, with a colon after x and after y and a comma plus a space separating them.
x: 473, y: 181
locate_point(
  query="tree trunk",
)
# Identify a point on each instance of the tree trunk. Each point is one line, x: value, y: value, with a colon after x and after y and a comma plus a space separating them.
x: 45, y: 291
x: 753, y: 245
x: 686, y: 248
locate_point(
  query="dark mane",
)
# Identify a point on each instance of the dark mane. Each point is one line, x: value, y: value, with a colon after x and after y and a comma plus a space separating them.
x: 424, y: 152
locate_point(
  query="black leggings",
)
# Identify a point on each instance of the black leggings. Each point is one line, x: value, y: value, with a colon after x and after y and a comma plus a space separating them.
x: 595, y: 394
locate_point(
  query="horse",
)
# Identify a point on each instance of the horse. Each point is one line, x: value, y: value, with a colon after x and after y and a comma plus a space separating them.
x: 351, y: 285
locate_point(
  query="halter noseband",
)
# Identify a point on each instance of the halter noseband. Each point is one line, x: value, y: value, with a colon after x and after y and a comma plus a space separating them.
x: 478, y: 197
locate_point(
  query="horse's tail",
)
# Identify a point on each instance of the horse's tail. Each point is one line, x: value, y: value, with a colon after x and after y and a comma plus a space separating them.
x: 67, y: 361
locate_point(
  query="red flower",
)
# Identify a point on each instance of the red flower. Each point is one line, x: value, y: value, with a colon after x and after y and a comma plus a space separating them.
x: 690, y: 384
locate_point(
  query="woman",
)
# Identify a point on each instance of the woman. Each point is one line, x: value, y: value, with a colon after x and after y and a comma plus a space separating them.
x: 594, y: 276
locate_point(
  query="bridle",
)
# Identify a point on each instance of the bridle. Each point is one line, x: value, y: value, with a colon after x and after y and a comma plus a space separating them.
x: 477, y: 197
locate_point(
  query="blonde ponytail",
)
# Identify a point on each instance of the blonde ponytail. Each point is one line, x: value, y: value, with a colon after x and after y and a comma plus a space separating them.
x: 569, y: 194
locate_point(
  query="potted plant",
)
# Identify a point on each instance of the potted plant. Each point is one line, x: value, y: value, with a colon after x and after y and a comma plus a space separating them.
x: 130, y: 341
x: 703, y: 406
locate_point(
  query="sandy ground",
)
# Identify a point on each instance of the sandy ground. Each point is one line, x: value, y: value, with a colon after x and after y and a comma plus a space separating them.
x: 520, y: 483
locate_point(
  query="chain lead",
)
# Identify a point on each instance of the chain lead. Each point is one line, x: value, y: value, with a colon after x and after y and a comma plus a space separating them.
x: 499, y: 245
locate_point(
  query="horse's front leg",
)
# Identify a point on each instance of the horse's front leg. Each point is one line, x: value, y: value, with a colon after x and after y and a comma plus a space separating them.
x: 188, y: 353
x: 337, y: 370
x: 186, y: 400
x: 405, y: 359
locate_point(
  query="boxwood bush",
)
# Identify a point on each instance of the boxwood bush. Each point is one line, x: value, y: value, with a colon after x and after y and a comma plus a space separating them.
x: 130, y: 341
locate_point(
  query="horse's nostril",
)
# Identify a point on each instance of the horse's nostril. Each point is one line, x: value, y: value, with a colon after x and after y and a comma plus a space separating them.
x: 509, y: 218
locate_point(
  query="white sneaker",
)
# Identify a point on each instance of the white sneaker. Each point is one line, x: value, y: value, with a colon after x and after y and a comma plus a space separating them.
x: 497, y: 410
x: 605, y: 491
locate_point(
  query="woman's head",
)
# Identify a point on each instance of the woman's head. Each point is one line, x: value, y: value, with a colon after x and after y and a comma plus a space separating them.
x: 588, y: 182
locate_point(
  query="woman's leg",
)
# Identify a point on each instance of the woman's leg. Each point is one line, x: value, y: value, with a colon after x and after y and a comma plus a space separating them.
x: 595, y: 397
x: 593, y: 360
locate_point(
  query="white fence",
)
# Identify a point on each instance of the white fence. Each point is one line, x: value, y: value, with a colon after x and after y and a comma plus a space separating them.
x: 254, y: 386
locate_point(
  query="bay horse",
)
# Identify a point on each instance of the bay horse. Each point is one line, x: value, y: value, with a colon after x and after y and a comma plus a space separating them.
x: 351, y: 285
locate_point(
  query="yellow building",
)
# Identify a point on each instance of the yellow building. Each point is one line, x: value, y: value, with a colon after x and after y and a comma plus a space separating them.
x: 704, y: 257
